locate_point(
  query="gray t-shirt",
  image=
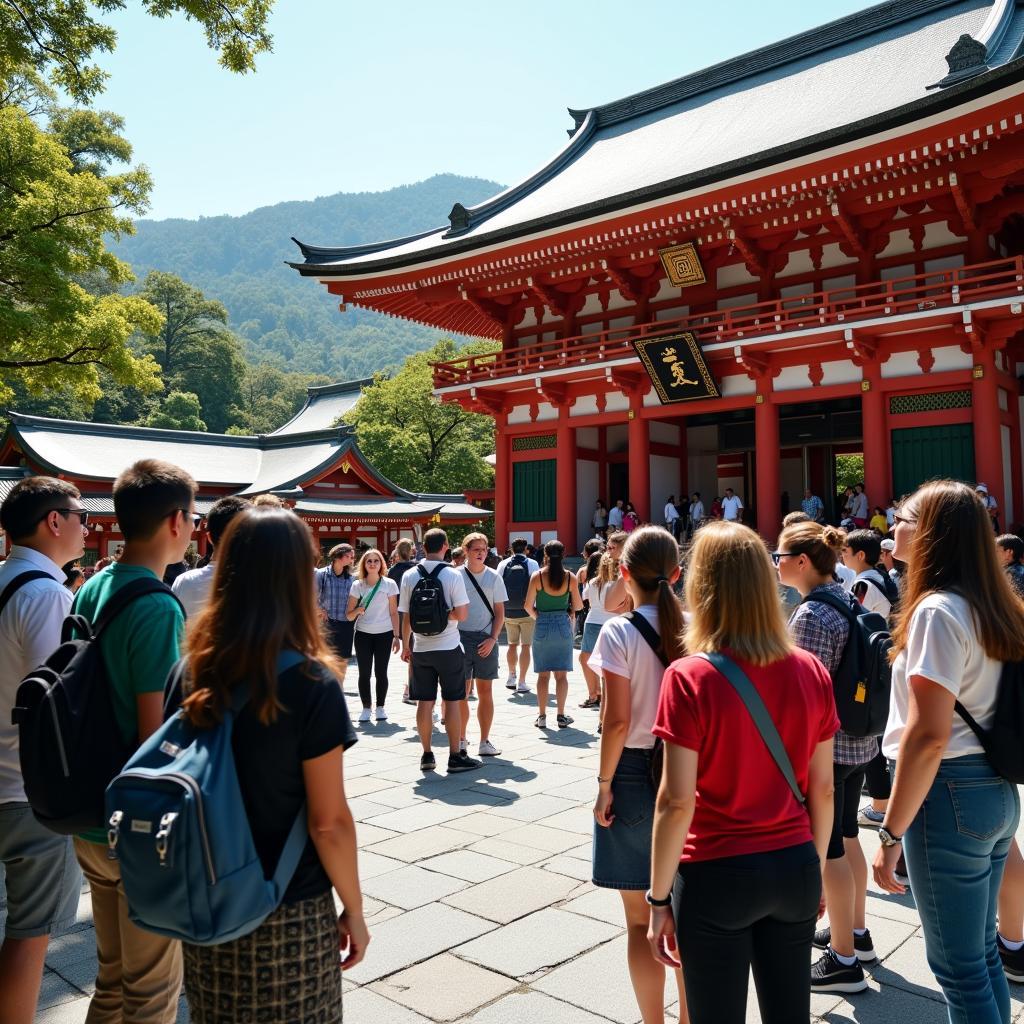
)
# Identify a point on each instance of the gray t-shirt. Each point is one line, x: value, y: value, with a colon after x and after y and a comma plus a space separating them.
x: 479, y: 619
x: 455, y: 597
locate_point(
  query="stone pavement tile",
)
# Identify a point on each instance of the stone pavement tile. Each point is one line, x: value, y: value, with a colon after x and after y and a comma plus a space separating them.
x: 582, y: 852
x: 486, y: 823
x: 583, y: 791
x: 891, y: 1004
x: 414, y: 936
x: 372, y: 864
x: 444, y: 988
x: 537, y: 942
x: 363, y: 1004
x: 514, y: 853
x: 367, y: 835
x: 363, y: 807
x: 423, y: 815
x: 71, y: 947
x: 414, y: 846
x: 398, y: 796
x: 533, y: 808
x: 514, y: 895
x: 559, y: 755
x: 467, y: 865
x: 551, y: 840
x: 570, y: 866
x: 578, y: 819
x: 410, y: 887
x: 907, y: 969
x: 364, y: 786
x: 893, y: 907
x: 81, y: 974
x: 599, y: 981
x: 600, y: 904
x: 56, y: 990
x: 65, y: 1013
x: 534, y: 1008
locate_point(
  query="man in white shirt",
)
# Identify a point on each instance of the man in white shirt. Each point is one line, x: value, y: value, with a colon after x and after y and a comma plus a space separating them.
x: 193, y: 587
x: 872, y: 586
x: 696, y: 515
x: 732, y: 507
x: 615, y: 516
x: 46, y: 522
x: 479, y: 632
x: 671, y: 516
x: 438, y: 657
x: 516, y: 572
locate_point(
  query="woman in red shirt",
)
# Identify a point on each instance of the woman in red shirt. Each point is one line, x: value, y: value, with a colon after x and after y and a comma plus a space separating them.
x: 739, y: 854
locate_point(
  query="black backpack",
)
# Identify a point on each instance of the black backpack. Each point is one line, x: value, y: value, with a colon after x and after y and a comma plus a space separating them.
x: 887, y: 588
x: 428, y: 608
x: 516, y: 577
x: 863, y: 681
x: 1004, y: 742
x: 69, y: 740
x: 18, y: 582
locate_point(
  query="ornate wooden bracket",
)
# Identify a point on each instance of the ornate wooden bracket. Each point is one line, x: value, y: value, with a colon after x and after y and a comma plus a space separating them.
x: 816, y: 374
x: 495, y: 311
x: 633, y: 286
x: 490, y: 404
x: 757, y: 364
x: 855, y: 241
x: 925, y: 359
x: 756, y: 261
x: 562, y: 304
x: 553, y: 392
x: 864, y: 349
x: 627, y: 381
x: 964, y: 206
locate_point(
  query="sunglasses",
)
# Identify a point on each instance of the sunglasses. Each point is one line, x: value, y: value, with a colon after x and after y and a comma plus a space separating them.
x: 194, y: 516
x: 83, y: 516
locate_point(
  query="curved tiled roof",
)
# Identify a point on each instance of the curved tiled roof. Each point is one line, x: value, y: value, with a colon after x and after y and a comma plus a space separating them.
x: 881, y: 67
x: 325, y: 406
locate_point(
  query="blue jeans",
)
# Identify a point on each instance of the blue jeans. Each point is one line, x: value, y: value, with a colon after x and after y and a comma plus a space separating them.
x: 956, y: 851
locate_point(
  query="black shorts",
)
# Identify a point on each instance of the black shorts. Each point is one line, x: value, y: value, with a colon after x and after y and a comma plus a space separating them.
x: 431, y: 668
x: 848, y: 780
x: 339, y: 634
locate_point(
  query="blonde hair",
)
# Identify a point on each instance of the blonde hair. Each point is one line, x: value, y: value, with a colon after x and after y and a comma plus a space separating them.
x: 733, y: 597
x: 472, y: 538
x: 361, y: 567
x: 607, y: 571
x: 403, y: 550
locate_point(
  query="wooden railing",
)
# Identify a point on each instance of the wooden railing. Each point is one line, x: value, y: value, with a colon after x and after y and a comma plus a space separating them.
x: 836, y: 307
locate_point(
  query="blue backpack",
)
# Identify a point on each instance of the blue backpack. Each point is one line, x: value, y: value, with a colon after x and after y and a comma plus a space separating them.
x: 179, y: 829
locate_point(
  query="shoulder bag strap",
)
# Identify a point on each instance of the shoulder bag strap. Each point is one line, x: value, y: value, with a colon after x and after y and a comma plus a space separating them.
x: 372, y: 594
x: 832, y: 601
x: 737, y: 678
x: 126, y: 595
x: 19, y: 581
x: 483, y: 596
x: 646, y: 630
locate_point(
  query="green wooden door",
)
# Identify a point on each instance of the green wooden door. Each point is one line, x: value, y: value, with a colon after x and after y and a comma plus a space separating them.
x: 923, y: 453
x: 533, y: 491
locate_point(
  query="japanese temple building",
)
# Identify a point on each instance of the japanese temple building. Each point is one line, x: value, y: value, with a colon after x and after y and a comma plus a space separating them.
x: 313, y: 463
x: 829, y: 229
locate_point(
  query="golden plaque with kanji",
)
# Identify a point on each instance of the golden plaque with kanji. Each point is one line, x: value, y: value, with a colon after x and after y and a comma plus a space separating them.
x: 677, y: 368
x: 682, y: 264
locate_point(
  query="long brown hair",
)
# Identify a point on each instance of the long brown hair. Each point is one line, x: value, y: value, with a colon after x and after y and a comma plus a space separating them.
x: 954, y: 550
x: 262, y: 601
x: 733, y: 597
x: 821, y: 544
x: 651, y: 555
x: 554, y: 552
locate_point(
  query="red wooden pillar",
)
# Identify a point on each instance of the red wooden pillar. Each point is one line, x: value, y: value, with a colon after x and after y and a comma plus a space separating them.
x: 877, y: 475
x: 502, y: 483
x: 639, y: 442
x: 565, y: 481
x: 766, y: 439
x: 988, y: 437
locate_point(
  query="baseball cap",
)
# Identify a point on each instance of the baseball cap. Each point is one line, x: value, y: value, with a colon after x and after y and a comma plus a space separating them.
x: 982, y: 487
x: 888, y: 544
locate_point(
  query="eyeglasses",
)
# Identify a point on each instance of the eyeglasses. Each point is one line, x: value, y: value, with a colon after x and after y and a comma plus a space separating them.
x: 777, y: 556
x: 194, y: 516
x: 83, y: 516
x: 897, y: 518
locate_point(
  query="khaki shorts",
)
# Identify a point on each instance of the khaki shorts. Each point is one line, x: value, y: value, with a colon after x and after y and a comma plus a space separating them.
x: 520, y: 631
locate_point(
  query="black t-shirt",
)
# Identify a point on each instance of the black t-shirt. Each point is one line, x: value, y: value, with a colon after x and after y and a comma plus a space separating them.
x: 268, y: 758
x: 398, y: 570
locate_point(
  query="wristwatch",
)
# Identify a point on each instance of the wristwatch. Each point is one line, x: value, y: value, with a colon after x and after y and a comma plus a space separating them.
x: 651, y: 901
x: 886, y: 838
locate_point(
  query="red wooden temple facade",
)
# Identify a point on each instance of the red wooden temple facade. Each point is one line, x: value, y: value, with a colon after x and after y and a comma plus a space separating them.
x: 854, y: 197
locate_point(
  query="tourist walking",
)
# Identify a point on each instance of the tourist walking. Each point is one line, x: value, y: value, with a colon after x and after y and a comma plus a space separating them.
x: 615, y: 515
x: 479, y: 633
x: 599, y: 520
x: 806, y: 558
x: 373, y: 608
x: 732, y: 507
x: 631, y: 654
x: 46, y: 525
x: 552, y: 602
x: 1011, y: 551
x: 596, y: 591
x: 695, y: 515
x: 949, y: 811
x: 333, y: 586
x: 733, y: 842
x: 287, y: 742
x: 862, y: 553
x: 516, y: 572
x: 671, y: 516
x: 630, y: 519
x: 401, y: 562
x: 192, y: 588
x: 990, y: 503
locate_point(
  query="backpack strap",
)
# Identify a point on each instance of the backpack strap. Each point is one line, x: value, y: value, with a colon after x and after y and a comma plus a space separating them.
x: 483, y: 596
x: 832, y: 601
x: 647, y: 631
x: 125, y: 596
x: 747, y: 692
x: 19, y: 581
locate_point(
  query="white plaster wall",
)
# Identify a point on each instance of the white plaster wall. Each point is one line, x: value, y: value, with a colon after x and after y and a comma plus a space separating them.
x: 519, y: 414
x: 946, y: 263
x: 799, y: 263
x: 732, y: 301
x: 546, y: 535
x: 899, y: 243
x: 950, y: 357
x: 737, y: 384
x: 792, y: 378
x: 938, y: 234
x: 837, y: 283
x: 891, y: 273
x: 651, y: 398
x: 622, y: 321
x: 842, y: 371
x: 902, y: 364
x: 592, y: 328
x: 1003, y: 402
x: 666, y: 290
x: 791, y: 479
x: 1009, y: 514
x: 592, y: 306
x: 833, y: 256
x: 585, y: 405
x: 616, y: 401
x: 737, y: 273
x: 617, y: 301
x: 514, y: 534
x: 587, y: 492
x: 546, y: 411
x: 666, y: 433
x: 530, y: 319
x: 617, y: 437
x: 586, y: 437
x: 664, y: 481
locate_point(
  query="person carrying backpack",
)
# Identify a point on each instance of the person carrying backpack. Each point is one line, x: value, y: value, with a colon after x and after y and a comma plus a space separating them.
x: 44, y: 519
x: 434, y: 601
x: 139, y: 975
x: 516, y: 572
x: 806, y: 559
x: 872, y: 585
x: 287, y: 742
x: 952, y: 814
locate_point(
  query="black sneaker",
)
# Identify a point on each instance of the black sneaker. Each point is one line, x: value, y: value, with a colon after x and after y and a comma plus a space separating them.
x: 427, y: 762
x: 1013, y: 960
x: 862, y: 945
x: 829, y: 975
x: 462, y: 762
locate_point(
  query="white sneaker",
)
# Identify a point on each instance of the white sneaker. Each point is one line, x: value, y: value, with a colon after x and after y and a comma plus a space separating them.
x: 364, y: 715
x: 437, y: 718
x: 488, y: 749
x: 382, y: 715
x: 522, y: 687
x: 510, y: 683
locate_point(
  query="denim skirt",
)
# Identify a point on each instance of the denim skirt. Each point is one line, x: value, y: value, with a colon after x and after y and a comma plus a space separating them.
x: 552, y: 642
x: 622, y: 852
x: 590, y: 632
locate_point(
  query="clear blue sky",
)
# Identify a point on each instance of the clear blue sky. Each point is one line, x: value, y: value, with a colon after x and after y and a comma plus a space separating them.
x: 363, y: 97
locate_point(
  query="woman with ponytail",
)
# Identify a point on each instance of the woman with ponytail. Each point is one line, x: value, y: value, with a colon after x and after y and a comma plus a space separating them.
x: 631, y: 654
x: 737, y: 845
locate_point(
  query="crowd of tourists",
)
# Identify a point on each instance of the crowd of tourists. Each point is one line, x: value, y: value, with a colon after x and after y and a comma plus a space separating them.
x: 736, y: 739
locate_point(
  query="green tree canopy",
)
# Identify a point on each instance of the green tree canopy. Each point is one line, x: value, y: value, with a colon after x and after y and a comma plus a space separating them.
x: 271, y: 397
x: 417, y: 441
x: 178, y: 411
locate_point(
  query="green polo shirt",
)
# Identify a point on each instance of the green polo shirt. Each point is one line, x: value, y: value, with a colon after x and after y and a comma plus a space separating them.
x: 139, y: 647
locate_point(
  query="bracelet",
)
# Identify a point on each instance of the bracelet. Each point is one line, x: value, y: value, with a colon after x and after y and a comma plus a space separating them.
x: 601, y: 781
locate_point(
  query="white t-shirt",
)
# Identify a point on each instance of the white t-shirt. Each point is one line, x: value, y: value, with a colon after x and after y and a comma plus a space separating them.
x: 479, y: 619
x: 377, y: 617
x: 731, y: 507
x: 874, y: 599
x: 943, y: 646
x: 596, y: 595
x: 621, y: 649
x: 192, y: 589
x: 455, y: 597
x: 846, y: 577
x: 671, y: 512
x: 696, y: 511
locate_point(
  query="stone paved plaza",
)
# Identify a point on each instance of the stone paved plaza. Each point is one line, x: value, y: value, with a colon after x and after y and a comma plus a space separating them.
x: 478, y: 894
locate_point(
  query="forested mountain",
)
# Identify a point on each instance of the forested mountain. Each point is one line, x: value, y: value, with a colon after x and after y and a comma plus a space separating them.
x: 286, y: 320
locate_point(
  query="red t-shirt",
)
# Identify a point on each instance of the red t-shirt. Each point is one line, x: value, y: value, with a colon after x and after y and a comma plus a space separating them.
x: 743, y: 802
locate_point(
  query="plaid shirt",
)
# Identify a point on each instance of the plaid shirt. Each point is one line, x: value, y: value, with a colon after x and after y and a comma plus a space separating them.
x: 820, y: 629
x: 1016, y: 573
x: 332, y: 592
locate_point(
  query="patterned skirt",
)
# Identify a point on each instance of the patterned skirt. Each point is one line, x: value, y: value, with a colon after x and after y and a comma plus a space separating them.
x: 285, y: 972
